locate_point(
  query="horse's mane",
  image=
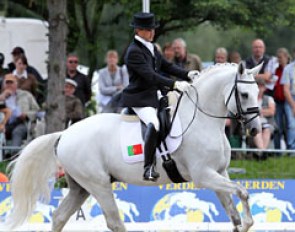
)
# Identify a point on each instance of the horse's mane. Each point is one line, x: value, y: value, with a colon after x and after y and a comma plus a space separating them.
x: 215, y: 67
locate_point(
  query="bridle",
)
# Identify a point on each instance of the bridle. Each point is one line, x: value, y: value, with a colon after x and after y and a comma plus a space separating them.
x: 239, y: 116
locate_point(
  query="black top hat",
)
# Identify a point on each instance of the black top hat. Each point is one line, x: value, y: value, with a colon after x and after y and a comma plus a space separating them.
x: 144, y: 20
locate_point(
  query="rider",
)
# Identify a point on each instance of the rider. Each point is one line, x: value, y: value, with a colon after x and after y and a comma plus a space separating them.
x: 145, y: 65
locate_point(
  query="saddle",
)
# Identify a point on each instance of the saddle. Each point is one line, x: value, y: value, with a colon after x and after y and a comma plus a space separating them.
x: 165, y: 120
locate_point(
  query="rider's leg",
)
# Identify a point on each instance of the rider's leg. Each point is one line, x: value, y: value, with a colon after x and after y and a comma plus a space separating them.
x: 149, y: 116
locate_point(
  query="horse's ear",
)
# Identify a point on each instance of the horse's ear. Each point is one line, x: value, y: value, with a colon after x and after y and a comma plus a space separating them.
x: 255, y: 70
x: 241, y: 68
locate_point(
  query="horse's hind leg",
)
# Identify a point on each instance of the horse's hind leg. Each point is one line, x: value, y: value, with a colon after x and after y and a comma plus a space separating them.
x: 103, y: 193
x: 69, y: 205
x: 219, y: 183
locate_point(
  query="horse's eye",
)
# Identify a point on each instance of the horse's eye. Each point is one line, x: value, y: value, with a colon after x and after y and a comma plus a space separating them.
x: 244, y: 95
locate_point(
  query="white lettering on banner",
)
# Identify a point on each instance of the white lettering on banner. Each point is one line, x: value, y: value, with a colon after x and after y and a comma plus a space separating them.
x: 263, y: 184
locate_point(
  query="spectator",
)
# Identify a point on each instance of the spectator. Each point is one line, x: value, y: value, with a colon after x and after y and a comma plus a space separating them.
x: 183, y: 59
x: 23, y: 107
x: 288, y: 81
x: 74, y: 107
x: 26, y: 81
x: 3, y: 71
x: 112, y: 80
x: 267, y: 112
x: 42, y: 84
x: 235, y: 57
x: 168, y: 52
x: 220, y: 55
x: 283, y: 58
x: 258, y: 56
x: 83, y: 90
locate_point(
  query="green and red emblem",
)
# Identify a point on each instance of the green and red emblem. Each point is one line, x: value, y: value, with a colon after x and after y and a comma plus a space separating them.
x: 134, y: 150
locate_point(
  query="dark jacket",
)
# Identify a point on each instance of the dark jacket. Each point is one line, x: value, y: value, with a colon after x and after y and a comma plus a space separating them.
x: 250, y: 63
x: 145, y: 76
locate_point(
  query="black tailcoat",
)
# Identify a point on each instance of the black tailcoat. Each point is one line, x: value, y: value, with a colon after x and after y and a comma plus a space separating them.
x: 145, y: 76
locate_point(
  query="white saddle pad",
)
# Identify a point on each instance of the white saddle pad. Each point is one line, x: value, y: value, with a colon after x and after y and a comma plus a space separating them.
x: 132, y: 142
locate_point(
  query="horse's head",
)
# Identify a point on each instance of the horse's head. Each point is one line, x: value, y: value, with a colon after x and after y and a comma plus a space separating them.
x: 243, y: 98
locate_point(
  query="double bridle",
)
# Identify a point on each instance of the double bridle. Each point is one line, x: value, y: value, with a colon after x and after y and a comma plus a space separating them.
x: 240, y: 115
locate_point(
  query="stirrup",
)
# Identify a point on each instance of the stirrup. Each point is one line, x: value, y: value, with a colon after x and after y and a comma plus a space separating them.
x: 150, y: 174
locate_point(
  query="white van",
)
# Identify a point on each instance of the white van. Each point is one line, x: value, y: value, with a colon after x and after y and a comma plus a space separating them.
x: 31, y: 35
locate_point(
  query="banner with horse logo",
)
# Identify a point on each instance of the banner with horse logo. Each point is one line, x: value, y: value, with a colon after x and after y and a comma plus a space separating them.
x: 271, y: 201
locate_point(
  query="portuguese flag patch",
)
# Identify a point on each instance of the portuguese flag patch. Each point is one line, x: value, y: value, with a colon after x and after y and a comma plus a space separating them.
x: 134, y: 150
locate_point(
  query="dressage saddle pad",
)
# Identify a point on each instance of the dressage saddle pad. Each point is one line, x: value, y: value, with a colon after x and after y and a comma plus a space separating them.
x: 132, y: 143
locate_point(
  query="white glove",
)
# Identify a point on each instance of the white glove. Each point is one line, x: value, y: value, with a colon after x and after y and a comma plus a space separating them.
x: 181, y: 85
x: 192, y: 74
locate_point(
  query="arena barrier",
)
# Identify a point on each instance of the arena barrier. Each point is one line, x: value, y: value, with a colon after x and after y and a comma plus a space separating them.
x: 175, y: 207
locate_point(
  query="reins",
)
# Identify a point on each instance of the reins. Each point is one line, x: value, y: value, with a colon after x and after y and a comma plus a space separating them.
x: 240, y: 115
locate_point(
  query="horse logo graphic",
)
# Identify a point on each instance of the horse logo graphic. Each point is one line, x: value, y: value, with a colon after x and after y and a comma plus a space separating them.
x: 42, y: 213
x: 183, y: 207
x: 265, y: 207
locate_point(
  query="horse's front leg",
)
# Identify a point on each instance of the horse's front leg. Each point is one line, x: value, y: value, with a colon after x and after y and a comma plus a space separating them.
x: 212, y: 180
x: 228, y: 204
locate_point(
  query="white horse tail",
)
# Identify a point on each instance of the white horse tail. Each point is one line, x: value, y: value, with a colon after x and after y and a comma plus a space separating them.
x: 31, y: 172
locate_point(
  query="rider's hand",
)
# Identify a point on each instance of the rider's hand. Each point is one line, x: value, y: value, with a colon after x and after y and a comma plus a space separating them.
x: 181, y: 85
x: 192, y: 74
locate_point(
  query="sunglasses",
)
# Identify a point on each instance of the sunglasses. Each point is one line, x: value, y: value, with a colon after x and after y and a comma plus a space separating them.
x: 9, y: 82
x: 73, y: 61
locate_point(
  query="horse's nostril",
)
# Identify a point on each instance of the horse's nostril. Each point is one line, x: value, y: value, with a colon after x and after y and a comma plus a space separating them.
x: 253, y: 131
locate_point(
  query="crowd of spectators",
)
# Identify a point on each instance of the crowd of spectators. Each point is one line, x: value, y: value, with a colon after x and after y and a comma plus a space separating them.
x: 23, y: 90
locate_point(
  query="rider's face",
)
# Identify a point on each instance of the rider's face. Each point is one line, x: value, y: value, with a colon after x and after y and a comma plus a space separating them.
x: 146, y: 34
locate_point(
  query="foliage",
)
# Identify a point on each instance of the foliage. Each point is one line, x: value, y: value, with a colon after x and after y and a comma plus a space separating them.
x: 96, y: 26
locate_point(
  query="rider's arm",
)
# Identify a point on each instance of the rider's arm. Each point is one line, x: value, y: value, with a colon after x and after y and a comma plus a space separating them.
x: 138, y: 63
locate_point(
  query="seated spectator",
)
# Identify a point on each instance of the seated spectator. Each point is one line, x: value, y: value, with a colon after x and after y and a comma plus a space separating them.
x: 112, y: 80
x: 74, y: 107
x: 41, y: 91
x: 267, y: 112
x: 220, y: 55
x: 26, y: 81
x: 234, y: 57
x: 168, y: 52
x: 23, y: 107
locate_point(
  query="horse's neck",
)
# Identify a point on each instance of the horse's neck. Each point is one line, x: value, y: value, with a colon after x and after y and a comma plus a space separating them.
x: 211, y: 91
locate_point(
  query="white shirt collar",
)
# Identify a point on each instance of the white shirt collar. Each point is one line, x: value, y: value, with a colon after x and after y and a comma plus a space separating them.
x: 147, y: 44
x: 21, y: 75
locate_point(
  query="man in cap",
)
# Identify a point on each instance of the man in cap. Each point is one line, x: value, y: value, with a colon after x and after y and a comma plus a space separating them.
x: 145, y: 65
x: 74, y: 107
x: 23, y: 107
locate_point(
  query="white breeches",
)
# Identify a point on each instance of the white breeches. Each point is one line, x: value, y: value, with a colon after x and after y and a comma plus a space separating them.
x: 148, y: 115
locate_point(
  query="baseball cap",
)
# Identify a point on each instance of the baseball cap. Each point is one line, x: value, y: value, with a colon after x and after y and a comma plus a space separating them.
x: 71, y: 82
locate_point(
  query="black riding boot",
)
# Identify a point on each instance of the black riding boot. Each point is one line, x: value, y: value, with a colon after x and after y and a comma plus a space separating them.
x: 150, y: 145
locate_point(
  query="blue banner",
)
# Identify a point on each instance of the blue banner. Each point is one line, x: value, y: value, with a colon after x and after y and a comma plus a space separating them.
x: 270, y: 201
